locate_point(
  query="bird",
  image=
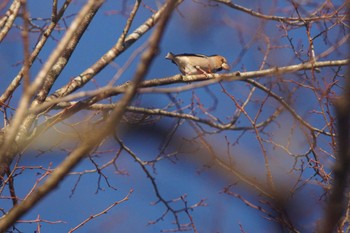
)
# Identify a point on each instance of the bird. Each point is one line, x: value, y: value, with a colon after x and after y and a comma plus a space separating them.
x: 190, y: 64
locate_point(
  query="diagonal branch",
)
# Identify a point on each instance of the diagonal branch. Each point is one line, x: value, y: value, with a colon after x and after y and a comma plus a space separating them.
x: 89, y: 143
x: 16, y: 132
x: 7, y: 21
x: 109, y: 56
x: 45, y: 35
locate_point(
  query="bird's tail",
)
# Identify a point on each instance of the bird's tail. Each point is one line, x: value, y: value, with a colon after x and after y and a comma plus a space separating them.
x: 170, y: 56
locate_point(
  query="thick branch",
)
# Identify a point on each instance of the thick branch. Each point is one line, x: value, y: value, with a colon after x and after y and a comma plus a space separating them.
x: 150, y: 86
x: 94, y: 139
x: 7, y: 21
x: 45, y: 35
x: 109, y: 56
x: 16, y: 132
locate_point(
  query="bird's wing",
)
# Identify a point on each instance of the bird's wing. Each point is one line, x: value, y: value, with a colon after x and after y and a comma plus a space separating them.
x: 190, y: 55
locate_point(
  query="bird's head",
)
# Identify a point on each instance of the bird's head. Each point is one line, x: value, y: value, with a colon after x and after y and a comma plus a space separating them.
x: 224, y: 64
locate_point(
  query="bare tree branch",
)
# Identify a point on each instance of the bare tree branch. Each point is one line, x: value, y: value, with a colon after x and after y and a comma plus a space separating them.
x: 45, y: 35
x: 338, y: 199
x: 95, y: 139
x: 7, y: 21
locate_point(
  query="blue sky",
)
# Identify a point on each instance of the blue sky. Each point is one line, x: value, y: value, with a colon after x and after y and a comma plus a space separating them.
x: 194, y: 28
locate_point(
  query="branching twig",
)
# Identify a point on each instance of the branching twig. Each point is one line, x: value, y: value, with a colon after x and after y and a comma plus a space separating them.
x: 105, y: 211
x: 338, y: 198
x: 91, y: 141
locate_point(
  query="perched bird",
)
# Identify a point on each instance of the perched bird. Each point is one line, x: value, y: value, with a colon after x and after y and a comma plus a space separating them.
x: 198, y: 63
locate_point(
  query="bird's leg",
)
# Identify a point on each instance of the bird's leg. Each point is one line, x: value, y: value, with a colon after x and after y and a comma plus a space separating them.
x: 201, y: 70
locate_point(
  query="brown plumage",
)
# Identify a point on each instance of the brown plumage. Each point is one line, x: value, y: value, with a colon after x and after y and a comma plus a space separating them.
x: 197, y: 63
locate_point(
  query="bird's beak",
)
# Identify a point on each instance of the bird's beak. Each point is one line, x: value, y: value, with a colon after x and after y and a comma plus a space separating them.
x: 225, y: 66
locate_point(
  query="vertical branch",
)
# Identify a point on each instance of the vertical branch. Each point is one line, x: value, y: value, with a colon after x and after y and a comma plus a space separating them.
x: 338, y: 198
x: 25, y: 37
x: 126, y: 29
